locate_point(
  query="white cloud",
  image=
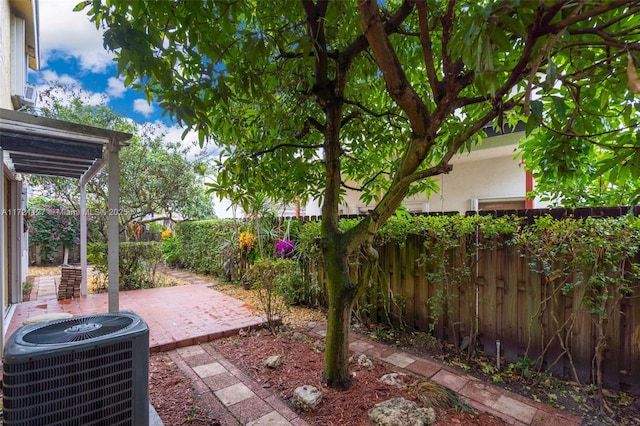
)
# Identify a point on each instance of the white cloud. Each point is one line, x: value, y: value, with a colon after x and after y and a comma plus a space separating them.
x: 116, y: 88
x: 71, y: 89
x: 64, y: 88
x: 143, y: 107
x: 52, y: 77
x: 67, y: 33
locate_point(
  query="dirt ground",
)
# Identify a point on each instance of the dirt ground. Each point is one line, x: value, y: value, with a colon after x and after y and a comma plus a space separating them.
x: 177, y: 402
x: 302, y: 364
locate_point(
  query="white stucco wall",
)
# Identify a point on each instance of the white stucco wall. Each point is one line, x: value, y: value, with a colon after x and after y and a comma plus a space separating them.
x: 501, y: 177
x: 493, y: 178
x: 490, y: 172
x: 5, y: 55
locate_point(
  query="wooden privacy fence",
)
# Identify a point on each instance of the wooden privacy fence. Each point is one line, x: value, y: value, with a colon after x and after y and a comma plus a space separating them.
x: 498, y: 295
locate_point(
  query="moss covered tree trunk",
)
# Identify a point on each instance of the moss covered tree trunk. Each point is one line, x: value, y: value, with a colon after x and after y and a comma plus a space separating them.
x: 341, y: 298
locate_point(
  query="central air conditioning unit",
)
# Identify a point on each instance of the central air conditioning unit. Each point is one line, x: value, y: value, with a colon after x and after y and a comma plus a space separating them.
x: 91, y: 370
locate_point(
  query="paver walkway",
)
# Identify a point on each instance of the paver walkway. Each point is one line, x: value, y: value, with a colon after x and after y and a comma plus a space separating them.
x: 192, y: 315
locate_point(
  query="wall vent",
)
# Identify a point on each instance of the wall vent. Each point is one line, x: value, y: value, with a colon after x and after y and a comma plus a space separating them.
x: 91, y: 370
x: 30, y: 95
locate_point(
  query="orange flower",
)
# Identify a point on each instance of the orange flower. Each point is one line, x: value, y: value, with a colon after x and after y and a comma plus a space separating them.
x: 246, y: 240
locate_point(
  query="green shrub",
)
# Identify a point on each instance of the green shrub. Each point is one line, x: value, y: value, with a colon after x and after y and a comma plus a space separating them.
x: 137, y: 264
x: 208, y: 246
x: 170, y: 251
x: 277, y: 282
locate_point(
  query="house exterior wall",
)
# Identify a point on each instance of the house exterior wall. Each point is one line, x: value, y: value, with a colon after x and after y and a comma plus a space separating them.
x: 17, y: 53
x: 498, y: 178
x: 13, y: 239
x: 489, y: 172
x: 489, y: 179
x: 5, y: 55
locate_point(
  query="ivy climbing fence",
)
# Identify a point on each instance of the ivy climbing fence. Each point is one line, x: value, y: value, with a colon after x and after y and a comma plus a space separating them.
x: 556, y: 289
x: 562, y: 295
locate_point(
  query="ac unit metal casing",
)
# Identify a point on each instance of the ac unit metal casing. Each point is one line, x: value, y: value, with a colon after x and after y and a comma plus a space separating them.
x: 91, y: 370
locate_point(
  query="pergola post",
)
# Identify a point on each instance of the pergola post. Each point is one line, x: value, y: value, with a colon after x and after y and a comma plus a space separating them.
x: 113, y: 231
x: 83, y: 236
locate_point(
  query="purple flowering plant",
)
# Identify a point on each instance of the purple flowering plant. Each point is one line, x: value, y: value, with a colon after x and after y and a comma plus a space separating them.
x: 284, y: 248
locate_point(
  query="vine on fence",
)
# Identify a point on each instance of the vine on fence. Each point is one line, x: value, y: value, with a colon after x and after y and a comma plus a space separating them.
x: 592, y: 259
x: 453, y: 248
x: 595, y: 261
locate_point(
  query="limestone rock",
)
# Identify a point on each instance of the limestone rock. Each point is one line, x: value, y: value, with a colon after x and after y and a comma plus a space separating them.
x: 307, y: 397
x: 318, y: 346
x: 273, y: 361
x: 394, y: 379
x: 401, y: 412
x: 364, y: 361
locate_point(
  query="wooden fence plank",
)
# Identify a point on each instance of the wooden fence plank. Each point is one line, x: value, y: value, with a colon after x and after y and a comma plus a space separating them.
x: 632, y: 338
x: 553, y: 320
x: 582, y: 338
x: 488, y: 304
x: 422, y: 290
x: 510, y: 306
x: 534, y: 313
x: 611, y: 364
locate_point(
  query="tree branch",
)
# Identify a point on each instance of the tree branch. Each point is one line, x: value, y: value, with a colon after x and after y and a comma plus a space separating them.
x: 545, y: 51
x: 589, y: 138
x: 371, y: 112
x: 365, y: 184
x: 575, y: 17
x: 283, y: 145
x: 392, y: 25
x: 306, y: 127
x: 425, y: 41
x: 396, y: 80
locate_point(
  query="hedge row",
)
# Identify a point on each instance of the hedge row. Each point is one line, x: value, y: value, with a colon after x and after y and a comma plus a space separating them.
x: 201, y: 245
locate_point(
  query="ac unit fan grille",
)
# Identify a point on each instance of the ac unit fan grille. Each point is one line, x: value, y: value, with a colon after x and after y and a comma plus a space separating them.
x: 77, y: 329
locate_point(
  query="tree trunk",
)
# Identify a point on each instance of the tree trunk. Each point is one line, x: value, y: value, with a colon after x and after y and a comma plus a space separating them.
x: 336, y: 355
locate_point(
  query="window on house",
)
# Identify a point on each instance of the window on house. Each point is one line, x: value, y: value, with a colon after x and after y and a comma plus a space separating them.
x: 510, y: 204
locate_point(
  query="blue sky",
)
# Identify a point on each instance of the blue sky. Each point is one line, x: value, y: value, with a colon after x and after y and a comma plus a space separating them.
x: 71, y: 53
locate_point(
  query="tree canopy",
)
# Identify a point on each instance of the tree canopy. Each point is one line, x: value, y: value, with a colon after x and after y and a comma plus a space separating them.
x: 157, y: 179
x: 305, y: 95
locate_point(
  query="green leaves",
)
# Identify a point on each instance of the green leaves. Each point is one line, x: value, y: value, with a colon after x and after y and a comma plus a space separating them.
x: 156, y: 176
x: 52, y: 225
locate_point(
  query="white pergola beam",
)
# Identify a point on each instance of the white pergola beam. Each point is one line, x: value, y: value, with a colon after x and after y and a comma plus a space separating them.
x: 113, y: 231
x: 83, y: 236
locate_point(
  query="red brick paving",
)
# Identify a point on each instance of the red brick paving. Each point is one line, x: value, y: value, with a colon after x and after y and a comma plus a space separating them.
x: 176, y: 316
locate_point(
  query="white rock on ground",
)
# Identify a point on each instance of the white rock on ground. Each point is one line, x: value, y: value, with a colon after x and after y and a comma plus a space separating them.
x: 273, y: 361
x: 394, y: 379
x: 364, y: 361
x: 401, y: 412
x: 307, y: 397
